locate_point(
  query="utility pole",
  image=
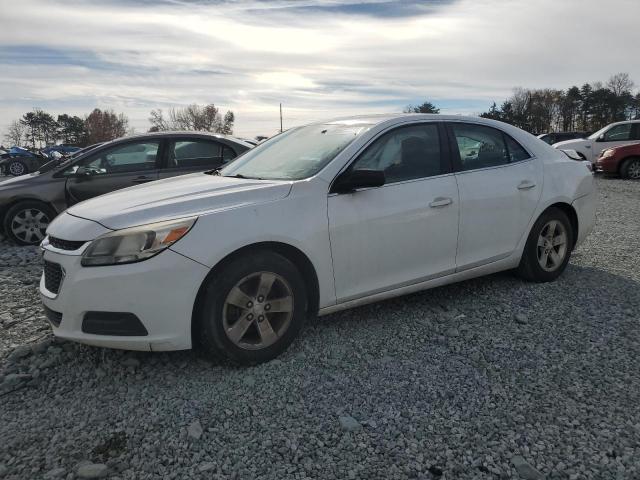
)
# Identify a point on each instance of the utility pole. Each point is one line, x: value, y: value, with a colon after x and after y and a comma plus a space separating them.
x: 280, y: 118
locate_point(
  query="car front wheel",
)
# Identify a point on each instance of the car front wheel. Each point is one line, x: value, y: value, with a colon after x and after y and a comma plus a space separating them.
x: 26, y: 222
x: 548, y: 248
x: 251, y: 309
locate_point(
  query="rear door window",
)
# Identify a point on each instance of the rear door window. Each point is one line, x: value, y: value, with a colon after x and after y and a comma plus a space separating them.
x: 196, y: 153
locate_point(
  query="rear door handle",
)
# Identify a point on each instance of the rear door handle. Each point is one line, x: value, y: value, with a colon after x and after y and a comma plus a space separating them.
x: 142, y: 179
x: 440, y: 202
x: 526, y: 185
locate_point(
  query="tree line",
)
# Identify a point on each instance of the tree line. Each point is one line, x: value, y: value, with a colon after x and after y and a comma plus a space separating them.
x: 38, y: 128
x: 587, y: 108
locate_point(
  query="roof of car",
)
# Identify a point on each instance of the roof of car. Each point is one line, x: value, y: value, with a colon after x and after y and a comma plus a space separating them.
x: 383, y: 117
x: 178, y: 133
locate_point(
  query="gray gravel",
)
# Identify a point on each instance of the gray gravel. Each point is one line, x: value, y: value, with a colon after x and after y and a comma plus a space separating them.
x: 492, y: 378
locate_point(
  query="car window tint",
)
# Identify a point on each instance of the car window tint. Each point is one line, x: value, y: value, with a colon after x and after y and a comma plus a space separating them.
x: 130, y: 157
x: 635, y: 132
x: 479, y: 146
x: 194, y: 153
x: 404, y: 154
x: 619, y: 133
x: 516, y: 152
x: 228, y: 154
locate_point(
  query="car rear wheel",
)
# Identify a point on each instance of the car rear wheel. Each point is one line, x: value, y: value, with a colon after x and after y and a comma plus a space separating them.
x: 631, y: 168
x: 17, y: 168
x: 548, y: 247
x: 26, y: 222
x: 252, y: 309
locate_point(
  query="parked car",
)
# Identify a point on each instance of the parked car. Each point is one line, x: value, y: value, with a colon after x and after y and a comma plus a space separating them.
x: 623, y: 161
x: 620, y: 133
x: 317, y: 219
x: 19, y: 161
x: 28, y: 203
x: 555, y: 137
x: 64, y: 149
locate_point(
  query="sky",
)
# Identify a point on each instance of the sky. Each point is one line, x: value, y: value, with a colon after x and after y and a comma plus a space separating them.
x: 319, y: 58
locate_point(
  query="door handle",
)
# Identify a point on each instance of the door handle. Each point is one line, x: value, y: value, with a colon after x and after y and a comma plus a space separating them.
x: 526, y: 185
x: 440, y: 202
x: 142, y: 179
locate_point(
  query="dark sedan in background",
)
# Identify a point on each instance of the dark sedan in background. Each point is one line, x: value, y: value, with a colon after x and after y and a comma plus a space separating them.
x: 28, y: 203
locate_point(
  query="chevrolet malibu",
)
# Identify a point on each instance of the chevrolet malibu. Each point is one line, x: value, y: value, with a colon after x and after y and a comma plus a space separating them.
x: 318, y: 219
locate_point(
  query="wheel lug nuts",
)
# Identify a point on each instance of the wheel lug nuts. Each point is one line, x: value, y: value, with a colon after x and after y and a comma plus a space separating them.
x: 261, y: 298
x: 249, y: 304
x: 250, y: 317
x: 261, y: 318
x: 267, y: 307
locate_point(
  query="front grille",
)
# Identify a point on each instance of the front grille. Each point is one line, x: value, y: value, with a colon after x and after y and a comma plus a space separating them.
x: 65, y: 244
x: 53, y: 275
x: 54, y: 317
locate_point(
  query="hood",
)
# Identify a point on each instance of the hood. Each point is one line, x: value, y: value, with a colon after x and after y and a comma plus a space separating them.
x: 576, y: 142
x: 630, y: 148
x: 184, y: 196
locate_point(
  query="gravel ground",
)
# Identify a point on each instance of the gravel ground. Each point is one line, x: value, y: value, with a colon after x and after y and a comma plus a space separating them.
x: 487, y: 379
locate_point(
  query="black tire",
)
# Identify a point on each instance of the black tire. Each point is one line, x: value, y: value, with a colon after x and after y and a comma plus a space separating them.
x: 530, y: 267
x: 630, y: 168
x: 16, y: 168
x: 209, y: 317
x: 33, y: 207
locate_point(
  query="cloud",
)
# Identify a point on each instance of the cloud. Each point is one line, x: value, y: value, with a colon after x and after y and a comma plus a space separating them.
x: 320, y: 58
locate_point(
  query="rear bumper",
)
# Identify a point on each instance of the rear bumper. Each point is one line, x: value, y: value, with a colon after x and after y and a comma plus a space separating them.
x: 585, y: 208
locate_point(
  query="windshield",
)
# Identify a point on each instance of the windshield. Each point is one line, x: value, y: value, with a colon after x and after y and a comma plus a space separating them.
x: 295, y: 154
x: 594, y: 136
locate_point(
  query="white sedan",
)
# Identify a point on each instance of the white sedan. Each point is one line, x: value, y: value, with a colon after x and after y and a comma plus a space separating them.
x: 315, y: 220
x: 613, y: 135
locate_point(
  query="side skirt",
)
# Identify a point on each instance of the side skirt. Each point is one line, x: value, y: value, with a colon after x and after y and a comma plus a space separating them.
x: 501, y: 265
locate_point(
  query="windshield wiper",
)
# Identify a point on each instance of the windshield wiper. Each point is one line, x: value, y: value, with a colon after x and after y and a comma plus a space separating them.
x: 239, y: 175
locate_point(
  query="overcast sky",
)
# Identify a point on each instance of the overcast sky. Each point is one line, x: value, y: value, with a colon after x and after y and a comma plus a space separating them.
x: 320, y: 58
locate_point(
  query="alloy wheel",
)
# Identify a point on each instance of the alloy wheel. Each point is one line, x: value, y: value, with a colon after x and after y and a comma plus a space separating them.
x: 16, y: 169
x: 30, y: 225
x: 634, y: 170
x: 258, y: 310
x: 552, y: 245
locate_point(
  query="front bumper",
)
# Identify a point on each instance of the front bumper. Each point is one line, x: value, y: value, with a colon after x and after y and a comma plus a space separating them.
x: 160, y: 292
x: 606, y: 165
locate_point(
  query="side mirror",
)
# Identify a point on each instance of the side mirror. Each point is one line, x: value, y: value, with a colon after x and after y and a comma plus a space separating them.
x: 600, y: 138
x: 82, y: 172
x: 350, y: 181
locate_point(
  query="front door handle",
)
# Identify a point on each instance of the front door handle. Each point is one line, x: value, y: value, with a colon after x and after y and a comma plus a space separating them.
x: 440, y: 202
x: 526, y: 185
x: 142, y: 179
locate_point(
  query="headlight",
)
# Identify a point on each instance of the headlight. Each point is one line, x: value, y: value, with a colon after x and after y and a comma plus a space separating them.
x: 607, y: 153
x: 135, y: 244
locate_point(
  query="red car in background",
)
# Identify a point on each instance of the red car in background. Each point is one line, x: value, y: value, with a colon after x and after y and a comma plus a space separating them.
x: 623, y: 160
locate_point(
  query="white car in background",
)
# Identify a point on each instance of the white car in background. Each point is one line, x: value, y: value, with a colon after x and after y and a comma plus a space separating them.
x: 613, y: 135
x: 315, y: 220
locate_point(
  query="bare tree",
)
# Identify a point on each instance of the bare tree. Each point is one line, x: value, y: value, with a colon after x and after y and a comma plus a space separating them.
x: 620, y: 84
x: 157, y: 121
x: 193, y: 118
x: 15, y: 134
